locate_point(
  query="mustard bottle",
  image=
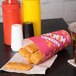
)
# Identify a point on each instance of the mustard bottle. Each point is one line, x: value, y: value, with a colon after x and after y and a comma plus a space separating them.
x: 31, y: 13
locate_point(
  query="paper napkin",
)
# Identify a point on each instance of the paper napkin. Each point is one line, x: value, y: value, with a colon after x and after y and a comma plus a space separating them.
x: 37, y: 69
x: 71, y: 62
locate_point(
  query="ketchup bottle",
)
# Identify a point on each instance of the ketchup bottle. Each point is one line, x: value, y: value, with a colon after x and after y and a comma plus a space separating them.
x: 11, y: 10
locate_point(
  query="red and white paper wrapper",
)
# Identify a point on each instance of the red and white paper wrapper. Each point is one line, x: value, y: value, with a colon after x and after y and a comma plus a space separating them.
x: 50, y: 43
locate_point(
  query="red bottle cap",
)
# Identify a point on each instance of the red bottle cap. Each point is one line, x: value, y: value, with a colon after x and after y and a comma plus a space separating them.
x: 11, y: 1
x: 13, y: 4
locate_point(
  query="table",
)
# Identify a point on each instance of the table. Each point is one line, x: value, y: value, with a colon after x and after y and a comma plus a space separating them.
x: 60, y: 66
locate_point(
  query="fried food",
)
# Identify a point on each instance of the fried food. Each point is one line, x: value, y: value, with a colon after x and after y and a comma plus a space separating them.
x: 25, y: 54
x: 32, y: 54
x: 31, y: 48
x: 18, y: 66
x: 37, y: 57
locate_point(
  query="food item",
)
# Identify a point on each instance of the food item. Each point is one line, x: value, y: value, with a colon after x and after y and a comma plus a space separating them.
x: 25, y: 54
x: 18, y: 66
x: 31, y: 48
x: 37, y: 57
x: 45, y: 46
x: 31, y: 53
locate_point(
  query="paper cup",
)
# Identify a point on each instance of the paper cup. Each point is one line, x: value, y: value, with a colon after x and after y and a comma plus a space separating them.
x: 16, y: 37
x: 72, y: 28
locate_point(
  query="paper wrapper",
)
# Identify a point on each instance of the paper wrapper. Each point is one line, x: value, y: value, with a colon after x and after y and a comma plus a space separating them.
x: 37, y: 69
x: 50, y: 43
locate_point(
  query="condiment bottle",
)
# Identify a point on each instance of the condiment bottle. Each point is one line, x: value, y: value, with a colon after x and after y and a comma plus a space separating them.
x: 11, y: 15
x: 31, y: 13
x: 28, y: 30
x: 16, y: 37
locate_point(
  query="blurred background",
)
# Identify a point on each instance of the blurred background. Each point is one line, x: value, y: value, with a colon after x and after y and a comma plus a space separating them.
x: 51, y: 9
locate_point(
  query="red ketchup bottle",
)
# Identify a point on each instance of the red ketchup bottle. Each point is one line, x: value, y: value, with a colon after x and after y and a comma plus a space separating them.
x: 11, y: 10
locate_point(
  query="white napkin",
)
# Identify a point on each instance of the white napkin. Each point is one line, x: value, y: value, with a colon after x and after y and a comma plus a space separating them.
x: 71, y: 62
x: 37, y: 69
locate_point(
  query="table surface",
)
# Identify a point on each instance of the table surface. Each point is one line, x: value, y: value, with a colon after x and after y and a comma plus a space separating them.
x: 59, y: 68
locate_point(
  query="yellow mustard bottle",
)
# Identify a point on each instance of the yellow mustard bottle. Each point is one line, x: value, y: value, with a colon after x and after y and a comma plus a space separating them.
x: 31, y: 13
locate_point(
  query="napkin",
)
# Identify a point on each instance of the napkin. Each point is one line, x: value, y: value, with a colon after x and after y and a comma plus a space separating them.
x: 37, y: 69
x: 71, y: 62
